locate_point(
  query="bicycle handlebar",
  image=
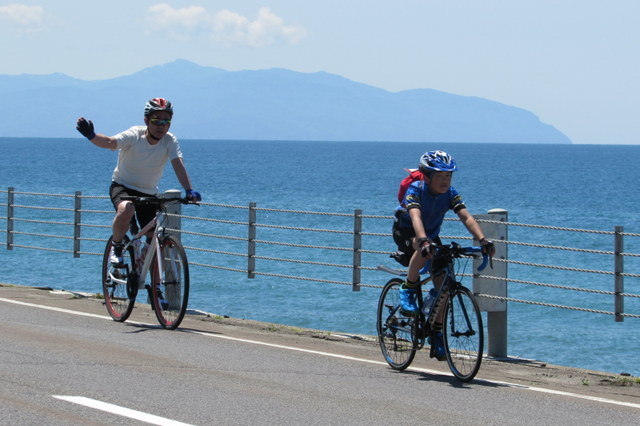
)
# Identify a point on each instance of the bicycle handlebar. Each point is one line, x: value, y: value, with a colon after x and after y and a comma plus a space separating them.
x: 470, y: 250
x: 156, y: 201
x: 456, y: 250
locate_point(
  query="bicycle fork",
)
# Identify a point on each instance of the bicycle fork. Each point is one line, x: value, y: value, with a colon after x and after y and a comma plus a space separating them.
x: 455, y: 331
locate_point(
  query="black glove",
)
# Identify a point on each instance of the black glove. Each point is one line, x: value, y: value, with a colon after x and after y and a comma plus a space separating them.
x: 86, y: 128
x: 427, y: 248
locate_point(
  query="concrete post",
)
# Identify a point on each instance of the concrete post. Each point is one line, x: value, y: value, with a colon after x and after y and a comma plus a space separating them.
x: 173, y: 222
x: 496, y: 309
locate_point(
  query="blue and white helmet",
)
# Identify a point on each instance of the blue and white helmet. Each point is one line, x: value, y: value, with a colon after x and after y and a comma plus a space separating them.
x: 437, y: 161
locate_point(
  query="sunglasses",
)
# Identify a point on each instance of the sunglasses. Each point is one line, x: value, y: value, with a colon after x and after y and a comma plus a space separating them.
x: 159, y: 122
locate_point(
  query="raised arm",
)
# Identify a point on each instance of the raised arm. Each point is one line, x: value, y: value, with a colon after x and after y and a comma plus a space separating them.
x: 85, y: 127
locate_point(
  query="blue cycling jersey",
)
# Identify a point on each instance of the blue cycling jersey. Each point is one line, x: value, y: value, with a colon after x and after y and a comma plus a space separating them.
x: 433, y: 207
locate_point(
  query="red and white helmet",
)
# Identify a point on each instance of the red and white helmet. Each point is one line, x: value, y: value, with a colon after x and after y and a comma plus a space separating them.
x: 157, y: 104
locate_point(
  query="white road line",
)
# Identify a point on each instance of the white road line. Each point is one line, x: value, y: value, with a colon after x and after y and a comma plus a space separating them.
x: 121, y: 411
x: 332, y: 355
x: 421, y: 370
x: 52, y: 308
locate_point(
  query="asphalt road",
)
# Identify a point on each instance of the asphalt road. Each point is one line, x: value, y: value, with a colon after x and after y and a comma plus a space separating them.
x: 64, y: 361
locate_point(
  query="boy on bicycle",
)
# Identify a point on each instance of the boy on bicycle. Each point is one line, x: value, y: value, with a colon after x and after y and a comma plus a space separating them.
x: 144, y: 152
x: 418, y: 221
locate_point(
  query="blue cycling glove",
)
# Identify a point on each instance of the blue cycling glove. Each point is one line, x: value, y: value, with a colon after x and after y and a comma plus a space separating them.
x: 193, y: 195
x: 86, y: 128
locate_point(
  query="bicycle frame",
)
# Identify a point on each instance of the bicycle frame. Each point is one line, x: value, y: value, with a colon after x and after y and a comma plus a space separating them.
x: 154, y: 248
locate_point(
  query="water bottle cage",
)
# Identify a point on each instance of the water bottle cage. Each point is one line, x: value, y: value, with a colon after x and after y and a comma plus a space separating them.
x: 435, y: 311
x: 437, y: 306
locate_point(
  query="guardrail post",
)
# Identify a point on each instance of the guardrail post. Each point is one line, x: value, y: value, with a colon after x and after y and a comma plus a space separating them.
x: 496, y: 285
x: 618, y: 277
x: 76, y: 224
x: 251, y: 260
x: 357, y: 247
x: 172, y: 220
x: 10, y: 201
x: 174, y: 210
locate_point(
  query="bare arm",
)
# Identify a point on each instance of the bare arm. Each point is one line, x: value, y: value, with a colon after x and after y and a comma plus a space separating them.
x: 181, y: 173
x: 470, y: 223
x: 103, y: 141
x: 416, y: 221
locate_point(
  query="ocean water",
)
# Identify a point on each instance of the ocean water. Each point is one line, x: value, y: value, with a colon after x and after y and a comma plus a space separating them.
x: 576, y: 186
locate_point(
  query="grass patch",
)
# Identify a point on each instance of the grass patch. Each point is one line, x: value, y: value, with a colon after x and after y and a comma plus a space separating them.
x: 621, y: 381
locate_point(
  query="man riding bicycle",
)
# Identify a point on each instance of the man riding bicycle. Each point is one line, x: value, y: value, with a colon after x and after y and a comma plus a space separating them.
x: 143, y: 154
x: 419, y: 218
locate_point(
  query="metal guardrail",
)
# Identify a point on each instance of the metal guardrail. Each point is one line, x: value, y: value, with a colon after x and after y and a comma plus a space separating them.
x: 259, y: 241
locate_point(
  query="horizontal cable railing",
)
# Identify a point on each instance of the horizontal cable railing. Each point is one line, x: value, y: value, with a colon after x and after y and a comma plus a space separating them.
x: 339, y: 248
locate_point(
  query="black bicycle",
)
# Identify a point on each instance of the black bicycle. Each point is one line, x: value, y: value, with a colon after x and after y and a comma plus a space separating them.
x: 400, y: 335
x: 164, y: 259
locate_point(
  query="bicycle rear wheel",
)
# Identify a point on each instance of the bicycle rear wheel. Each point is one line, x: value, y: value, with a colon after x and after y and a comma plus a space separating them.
x: 119, y: 285
x: 170, y: 289
x: 463, y: 334
x: 395, y: 331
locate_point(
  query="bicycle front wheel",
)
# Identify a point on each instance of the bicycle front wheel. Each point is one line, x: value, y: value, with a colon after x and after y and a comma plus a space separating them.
x: 395, y: 331
x: 119, y: 285
x: 170, y: 283
x: 463, y: 334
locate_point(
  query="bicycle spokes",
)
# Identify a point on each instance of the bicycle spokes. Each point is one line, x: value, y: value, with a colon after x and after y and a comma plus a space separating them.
x: 170, y: 283
x: 116, y: 285
x: 463, y: 327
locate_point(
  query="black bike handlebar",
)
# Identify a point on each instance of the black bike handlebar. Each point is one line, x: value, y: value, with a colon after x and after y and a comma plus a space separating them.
x: 155, y: 201
x: 457, y: 250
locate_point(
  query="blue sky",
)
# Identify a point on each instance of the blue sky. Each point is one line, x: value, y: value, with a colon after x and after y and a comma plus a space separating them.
x: 572, y: 63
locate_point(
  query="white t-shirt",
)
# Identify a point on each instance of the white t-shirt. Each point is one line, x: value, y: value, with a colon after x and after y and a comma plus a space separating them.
x: 140, y: 164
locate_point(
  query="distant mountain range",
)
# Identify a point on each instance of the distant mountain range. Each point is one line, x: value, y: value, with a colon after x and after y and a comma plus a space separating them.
x: 274, y: 104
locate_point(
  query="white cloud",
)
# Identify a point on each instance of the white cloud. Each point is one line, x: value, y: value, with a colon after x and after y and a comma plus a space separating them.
x: 224, y: 27
x: 25, y: 18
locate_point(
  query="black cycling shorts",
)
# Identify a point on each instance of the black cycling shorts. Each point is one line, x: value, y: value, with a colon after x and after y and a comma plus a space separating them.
x: 145, y: 214
x: 403, y: 237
